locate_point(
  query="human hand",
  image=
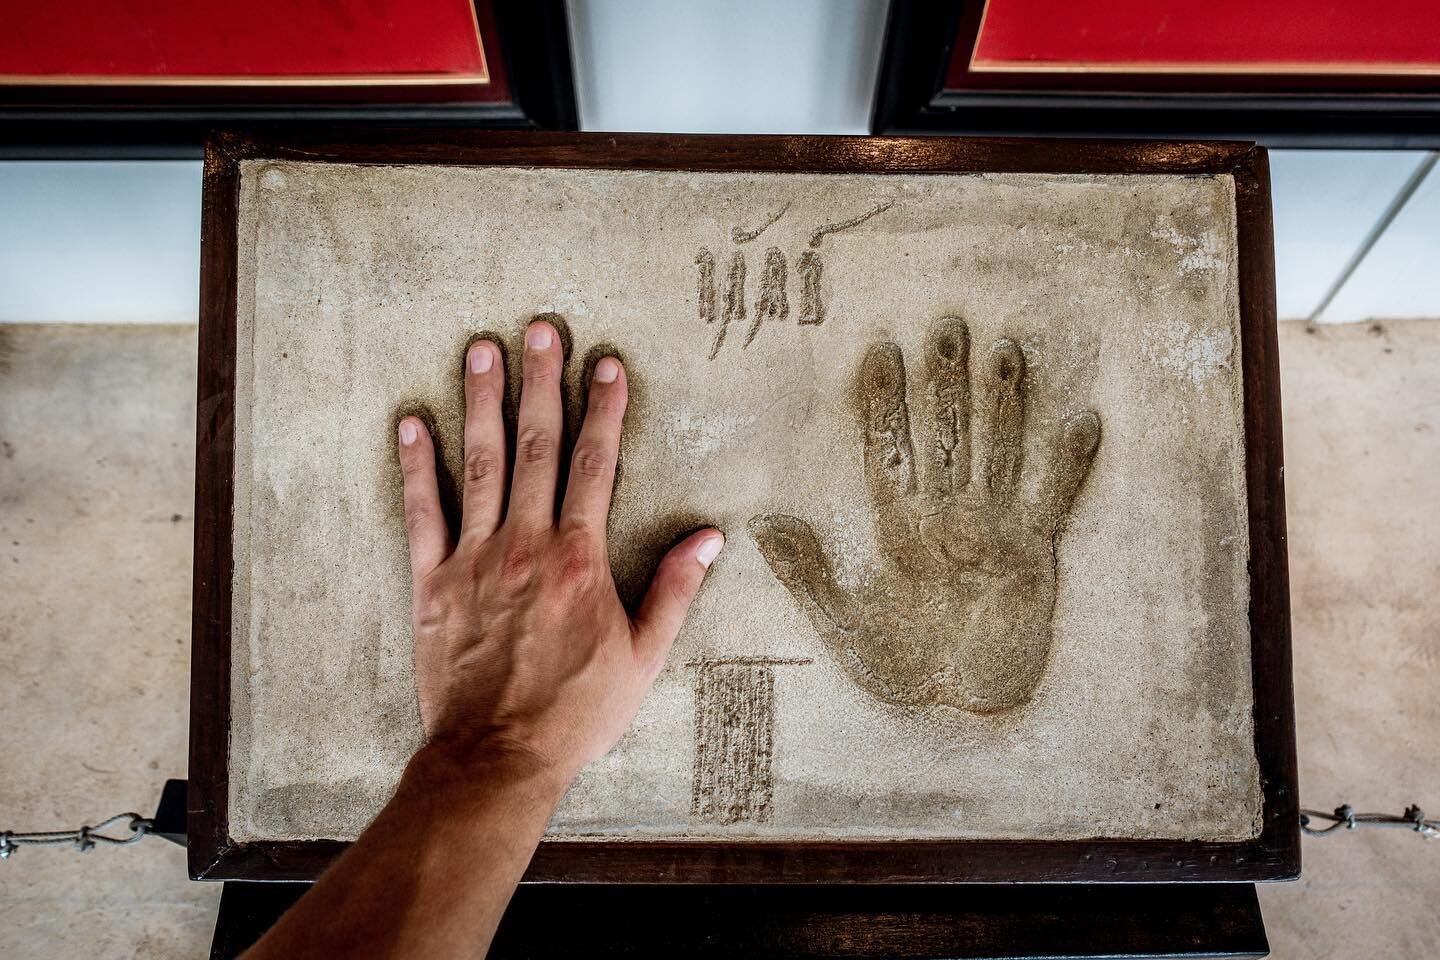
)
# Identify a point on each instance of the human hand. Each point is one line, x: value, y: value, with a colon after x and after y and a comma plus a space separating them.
x: 522, y: 646
x: 958, y: 611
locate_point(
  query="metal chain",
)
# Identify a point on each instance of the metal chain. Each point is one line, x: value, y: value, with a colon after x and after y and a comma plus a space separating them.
x: 87, y: 837
x: 1345, y: 816
x: 83, y: 839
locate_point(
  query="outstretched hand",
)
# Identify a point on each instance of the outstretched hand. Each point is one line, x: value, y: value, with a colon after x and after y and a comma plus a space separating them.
x: 526, y: 664
x: 958, y: 610
x: 522, y: 646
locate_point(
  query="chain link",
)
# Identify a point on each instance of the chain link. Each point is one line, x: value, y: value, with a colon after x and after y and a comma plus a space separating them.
x: 84, y: 839
x: 1345, y: 816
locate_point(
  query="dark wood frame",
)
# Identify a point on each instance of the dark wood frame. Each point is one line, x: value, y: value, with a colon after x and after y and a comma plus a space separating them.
x: 1290, y: 110
x: 527, y: 46
x: 1273, y: 855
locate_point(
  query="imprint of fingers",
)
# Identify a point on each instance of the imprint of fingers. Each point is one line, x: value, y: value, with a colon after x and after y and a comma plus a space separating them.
x: 1070, y: 461
x: 800, y: 562
x: 889, y: 456
x: 1004, y: 425
x: 947, y: 369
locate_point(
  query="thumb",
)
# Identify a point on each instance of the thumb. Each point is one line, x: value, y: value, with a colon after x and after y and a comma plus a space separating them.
x: 676, y: 581
x: 798, y: 560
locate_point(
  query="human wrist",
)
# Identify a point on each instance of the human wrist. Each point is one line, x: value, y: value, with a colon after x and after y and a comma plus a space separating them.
x: 482, y: 766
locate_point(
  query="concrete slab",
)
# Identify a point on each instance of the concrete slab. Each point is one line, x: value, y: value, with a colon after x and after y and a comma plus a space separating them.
x: 97, y: 430
x: 1005, y: 640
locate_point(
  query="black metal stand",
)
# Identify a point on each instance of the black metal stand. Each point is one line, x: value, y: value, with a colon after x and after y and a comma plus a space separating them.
x: 169, y: 819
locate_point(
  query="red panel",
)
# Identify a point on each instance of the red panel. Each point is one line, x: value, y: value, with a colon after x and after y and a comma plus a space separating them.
x: 1214, y: 36
x: 290, y: 41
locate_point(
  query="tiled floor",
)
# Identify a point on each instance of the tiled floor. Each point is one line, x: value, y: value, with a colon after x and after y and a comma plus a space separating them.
x: 96, y: 427
x: 1362, y: 454
x: 97, y: 458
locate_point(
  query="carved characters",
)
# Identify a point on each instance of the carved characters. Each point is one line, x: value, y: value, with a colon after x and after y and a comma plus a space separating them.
x: 772, y: 305
x: 825, y: 229
x: 734, y: 738
x: 812, y: 307
x: 705, y: 296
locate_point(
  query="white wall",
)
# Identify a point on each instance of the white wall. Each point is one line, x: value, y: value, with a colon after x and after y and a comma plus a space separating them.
x: 119, y: 242
x: 736, y: 66
x: 1326, y: 202
x: 90, y: 242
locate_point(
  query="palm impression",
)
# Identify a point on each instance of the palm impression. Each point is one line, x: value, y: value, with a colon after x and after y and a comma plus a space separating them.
x: 957, y: 609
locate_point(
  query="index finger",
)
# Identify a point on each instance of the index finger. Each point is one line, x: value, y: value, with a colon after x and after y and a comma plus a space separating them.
x: 424, y: 521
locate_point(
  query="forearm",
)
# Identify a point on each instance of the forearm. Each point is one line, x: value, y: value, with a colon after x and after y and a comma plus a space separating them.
x: 519, y: 632
x: 431, y: 876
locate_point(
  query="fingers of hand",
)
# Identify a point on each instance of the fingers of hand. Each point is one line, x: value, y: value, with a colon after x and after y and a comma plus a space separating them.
x: 889, y: 455
x: 1070, y: 461
x: 798, y: 560
x: 592, y: 467
x: 424, y: 522
x: 947, y: 372
x: 1003, y: 405
x: 538, y: 429
x: 677, y: 580
x: 485, y: 464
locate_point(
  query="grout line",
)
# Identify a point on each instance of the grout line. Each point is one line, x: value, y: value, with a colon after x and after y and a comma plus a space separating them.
x: 1402, y: 197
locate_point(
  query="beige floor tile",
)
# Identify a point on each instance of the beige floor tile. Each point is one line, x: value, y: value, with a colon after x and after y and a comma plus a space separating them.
x: 96, y: 467
x: 1362, y: 475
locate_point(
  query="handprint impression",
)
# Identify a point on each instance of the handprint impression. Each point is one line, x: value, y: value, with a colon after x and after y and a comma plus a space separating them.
x: 958, y: 610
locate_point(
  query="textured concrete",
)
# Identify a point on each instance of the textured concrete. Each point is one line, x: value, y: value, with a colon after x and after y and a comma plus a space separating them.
x: 97, y: 429
x: 1362, y: 476
x: 976, y: 657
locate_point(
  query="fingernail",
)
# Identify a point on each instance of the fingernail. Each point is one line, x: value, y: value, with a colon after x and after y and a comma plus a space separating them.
x: 538, y: 337
x: 607, y: 370
x: 408, y: 432
x: 481, y: 357
x: 709, y: 549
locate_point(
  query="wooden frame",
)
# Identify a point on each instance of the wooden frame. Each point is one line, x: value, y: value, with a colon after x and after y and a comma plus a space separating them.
x: 1292, y: 110
x: 1273, y: 855
x: 527, y: 48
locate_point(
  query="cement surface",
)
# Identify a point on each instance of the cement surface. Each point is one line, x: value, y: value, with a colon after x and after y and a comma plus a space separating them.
x: 1093, y: 683
x: 97, y: 451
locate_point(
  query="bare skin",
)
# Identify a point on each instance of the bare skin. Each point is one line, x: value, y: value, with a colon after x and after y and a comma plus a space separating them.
x: 527, y: 667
